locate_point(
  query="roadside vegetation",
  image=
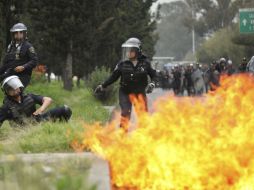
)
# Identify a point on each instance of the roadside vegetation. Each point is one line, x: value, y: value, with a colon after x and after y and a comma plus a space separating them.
x: 53, y: 137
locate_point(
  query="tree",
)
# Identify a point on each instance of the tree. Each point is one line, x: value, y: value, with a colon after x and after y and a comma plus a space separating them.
x: 62, y: 31
x: 175, y: 39
x: 221, y: 45
x: 212, y: 15
x: 90, y: 33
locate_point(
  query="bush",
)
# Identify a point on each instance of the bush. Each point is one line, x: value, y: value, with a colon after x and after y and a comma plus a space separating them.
x: 38, y: 76
x: 109, y: 96
x: 221, y: 45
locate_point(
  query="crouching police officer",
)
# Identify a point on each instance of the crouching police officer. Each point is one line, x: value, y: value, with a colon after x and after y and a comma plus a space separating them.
x: 20, y: 58
x: 20, y: 109
x: 133, y: 70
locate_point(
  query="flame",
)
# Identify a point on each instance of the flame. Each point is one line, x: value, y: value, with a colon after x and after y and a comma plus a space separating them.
x: 203, y: 143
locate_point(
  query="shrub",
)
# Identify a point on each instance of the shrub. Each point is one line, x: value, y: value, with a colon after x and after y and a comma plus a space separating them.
x: 109, y: 96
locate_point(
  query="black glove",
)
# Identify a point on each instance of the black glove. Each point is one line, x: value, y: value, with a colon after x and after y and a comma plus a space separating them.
x: 150, y: 88
x: 98, y: 89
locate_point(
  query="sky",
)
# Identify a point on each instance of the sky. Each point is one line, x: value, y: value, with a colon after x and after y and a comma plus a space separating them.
x: 159, y: 1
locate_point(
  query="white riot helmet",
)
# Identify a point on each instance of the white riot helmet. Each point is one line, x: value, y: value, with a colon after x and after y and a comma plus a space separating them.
x: 230, y: 62
x: 222, y: 60
x: 11, y: 83
x: 132, y: 44
x: 19, y: 27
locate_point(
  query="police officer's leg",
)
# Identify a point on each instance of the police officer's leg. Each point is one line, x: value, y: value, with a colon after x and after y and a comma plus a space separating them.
x: 145, y: 102
x: 142, y: 102
x: 126, y: 106
x: 62, y: 113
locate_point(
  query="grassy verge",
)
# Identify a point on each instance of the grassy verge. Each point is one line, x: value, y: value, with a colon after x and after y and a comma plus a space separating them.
x: 53, y: 137
x: 65, y: 175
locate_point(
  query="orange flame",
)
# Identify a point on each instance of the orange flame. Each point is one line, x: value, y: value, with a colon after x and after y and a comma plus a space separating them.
x: 201, y: 143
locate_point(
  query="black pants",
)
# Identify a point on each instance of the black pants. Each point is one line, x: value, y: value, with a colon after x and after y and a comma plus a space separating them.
x: 62, y: 113
x: 126, y: 106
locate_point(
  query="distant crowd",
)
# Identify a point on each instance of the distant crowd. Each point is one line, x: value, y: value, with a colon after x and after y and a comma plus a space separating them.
x: 195, y: 79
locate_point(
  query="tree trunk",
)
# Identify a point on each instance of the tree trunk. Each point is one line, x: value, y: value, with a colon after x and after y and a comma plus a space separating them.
x: 49, y: 74
x: 78, y: 82
x: 68, y: 70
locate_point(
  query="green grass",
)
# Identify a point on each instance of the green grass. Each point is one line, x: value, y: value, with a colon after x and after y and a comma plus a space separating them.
x: 53, y: 137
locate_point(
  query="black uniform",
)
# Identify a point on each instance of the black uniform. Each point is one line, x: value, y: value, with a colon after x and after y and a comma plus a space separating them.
x: 134, y: 80
x: 243, y: 67
x: 189, y: 82
x: 20, y: 113
x: 177, y: 82
x: 22, y: 54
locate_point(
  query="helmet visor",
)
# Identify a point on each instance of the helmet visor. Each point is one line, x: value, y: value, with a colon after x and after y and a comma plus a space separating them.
x: 129, y: 53
x: 12, y: 83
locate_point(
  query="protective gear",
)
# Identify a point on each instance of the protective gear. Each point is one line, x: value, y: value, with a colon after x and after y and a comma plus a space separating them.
x: 150, y: 88
x: 11, y: 83
x: 19, y: 27
x: 21, y: 113
x: 21, y: 55
x: 230, y: 62
x: 244, y: 59
x: 132, y: 44
x: 222, y: 60
x: 98, y: 89
x: 133, y: 79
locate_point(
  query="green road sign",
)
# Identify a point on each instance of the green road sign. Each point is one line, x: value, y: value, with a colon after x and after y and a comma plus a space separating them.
x: 246, y: 20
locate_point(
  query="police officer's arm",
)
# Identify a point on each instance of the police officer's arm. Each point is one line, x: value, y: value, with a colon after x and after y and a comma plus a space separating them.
x: 4, y: 114
x: 151, y: 72
x: 114, y: 76
x: 43, y: 101
x: 33, y: 59
x: 3, y: 66
x: 46, y: 101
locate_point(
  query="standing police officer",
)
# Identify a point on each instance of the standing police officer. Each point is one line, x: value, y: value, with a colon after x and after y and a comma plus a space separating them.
x: 20, y: 109
x: 20, y: 58
x: 133, y: 70
x: 243, y: 66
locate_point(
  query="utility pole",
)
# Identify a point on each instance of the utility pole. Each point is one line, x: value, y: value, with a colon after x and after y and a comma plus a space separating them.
x: 193, y: 40
x: 193, y: 29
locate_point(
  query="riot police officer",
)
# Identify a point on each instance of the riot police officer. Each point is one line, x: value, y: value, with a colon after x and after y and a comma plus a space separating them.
x: 189, y: 84
x: 221, y: 66
x: 133, y: 69
x: 243, y: 66
x: 20, y: 58
x: 20, y: 109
